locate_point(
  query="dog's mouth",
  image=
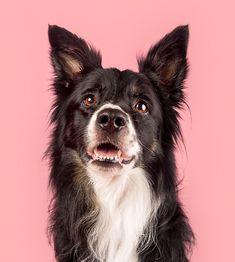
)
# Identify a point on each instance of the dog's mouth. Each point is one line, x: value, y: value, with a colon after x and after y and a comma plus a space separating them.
x: 109, y: 155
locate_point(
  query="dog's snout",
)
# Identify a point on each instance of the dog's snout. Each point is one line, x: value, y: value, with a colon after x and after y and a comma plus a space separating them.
x: 111, y: 120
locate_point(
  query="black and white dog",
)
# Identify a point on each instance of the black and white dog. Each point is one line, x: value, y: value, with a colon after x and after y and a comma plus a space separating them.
x: 113, y: 170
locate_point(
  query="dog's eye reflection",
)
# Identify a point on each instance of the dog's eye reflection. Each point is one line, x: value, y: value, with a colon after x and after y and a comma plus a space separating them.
x: 141, y: 107
x: 89, y: 100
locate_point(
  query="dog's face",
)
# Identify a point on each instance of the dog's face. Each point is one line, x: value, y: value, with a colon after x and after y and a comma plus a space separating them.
x: 115, y: 120
x: 114, y: 115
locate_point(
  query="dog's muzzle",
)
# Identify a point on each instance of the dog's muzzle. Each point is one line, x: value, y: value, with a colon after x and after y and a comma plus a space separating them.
x: 112, y: 139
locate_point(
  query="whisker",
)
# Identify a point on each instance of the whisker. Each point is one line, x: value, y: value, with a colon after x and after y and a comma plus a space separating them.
x: 146, y: 147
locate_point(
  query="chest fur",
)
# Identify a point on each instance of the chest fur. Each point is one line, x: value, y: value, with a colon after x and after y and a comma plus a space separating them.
x: 126, y: 205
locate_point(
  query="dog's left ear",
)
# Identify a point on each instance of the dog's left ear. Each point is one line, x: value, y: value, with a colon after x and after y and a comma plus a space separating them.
x: 166, y: 63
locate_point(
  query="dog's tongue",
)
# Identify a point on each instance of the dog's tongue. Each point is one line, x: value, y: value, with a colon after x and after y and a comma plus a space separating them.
x: 108, y: 151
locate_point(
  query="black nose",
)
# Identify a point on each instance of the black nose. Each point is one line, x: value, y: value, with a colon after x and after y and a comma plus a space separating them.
x: 111, y: 119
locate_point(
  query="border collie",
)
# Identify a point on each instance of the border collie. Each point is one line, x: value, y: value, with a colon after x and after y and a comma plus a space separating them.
x: 113, y: 170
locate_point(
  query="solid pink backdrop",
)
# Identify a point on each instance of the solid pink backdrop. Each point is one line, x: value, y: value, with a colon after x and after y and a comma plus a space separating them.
x: 120, y: 29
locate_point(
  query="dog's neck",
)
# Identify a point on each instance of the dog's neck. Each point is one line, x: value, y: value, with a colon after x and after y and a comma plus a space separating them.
x: 126, y: 206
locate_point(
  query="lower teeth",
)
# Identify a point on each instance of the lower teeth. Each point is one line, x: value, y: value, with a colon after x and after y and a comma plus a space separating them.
x: 107, y: 160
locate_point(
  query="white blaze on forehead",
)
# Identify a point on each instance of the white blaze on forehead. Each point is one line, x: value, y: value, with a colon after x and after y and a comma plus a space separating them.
x: 131, y: 146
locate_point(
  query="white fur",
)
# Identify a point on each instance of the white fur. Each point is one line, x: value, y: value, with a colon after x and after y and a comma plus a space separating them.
x: 126, y: 205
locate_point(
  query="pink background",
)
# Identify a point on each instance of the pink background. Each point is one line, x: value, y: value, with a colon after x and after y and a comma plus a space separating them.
x: 120, y: 29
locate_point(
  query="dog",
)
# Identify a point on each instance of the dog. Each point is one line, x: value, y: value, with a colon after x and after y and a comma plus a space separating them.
x: 113, y: 170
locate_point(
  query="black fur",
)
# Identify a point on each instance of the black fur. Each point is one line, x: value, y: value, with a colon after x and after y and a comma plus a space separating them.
x: 159, y: 82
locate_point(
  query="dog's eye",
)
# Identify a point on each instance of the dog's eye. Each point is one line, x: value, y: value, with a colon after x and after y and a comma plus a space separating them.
x: 89, y: 100
x: 141, y: 107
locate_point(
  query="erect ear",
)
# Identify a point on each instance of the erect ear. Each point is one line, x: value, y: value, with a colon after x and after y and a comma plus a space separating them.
x: 71, y: 56
x: 166, y: 63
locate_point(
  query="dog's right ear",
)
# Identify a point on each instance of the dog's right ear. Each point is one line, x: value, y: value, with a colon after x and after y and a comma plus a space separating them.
x: 71, y: 56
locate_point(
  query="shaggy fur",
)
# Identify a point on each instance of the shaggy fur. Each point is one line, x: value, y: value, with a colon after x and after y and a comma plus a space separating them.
x: 132, y: 215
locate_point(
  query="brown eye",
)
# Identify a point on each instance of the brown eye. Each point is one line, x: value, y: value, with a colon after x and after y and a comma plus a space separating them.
x: 141, y: 107
x: 89, y: 100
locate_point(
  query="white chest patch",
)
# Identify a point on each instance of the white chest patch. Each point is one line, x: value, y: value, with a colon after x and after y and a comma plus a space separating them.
x: 126, y: 204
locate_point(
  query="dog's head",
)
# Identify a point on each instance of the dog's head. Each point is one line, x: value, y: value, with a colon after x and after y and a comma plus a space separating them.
x: 116, y: 120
